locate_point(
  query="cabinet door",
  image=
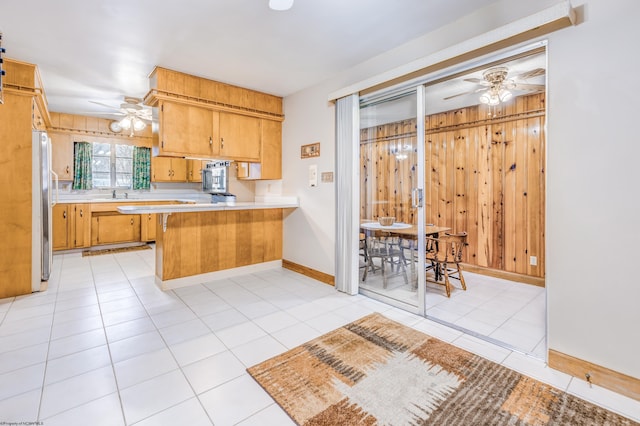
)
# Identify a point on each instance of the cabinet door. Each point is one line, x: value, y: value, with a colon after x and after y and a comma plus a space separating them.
x: 81, y: 229
x: 161, y: 169
x: 60, y: 222
x: 239, y: 137
x: 110, y: 228
x: 187, y: 130
x: 271, y: 155
x: 194, y: 170
x: 178, y: 170
x: 148, y: 227
x: 167, y: 169
x: 62, y: 155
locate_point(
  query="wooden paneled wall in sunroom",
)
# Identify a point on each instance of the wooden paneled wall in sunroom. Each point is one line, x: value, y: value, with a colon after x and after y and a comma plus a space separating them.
x: 484, y: 174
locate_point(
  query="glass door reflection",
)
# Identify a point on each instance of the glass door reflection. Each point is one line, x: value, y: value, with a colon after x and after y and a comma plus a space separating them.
x: 389, y: 180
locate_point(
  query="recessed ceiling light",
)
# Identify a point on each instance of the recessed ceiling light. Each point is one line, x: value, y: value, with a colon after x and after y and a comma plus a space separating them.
x: 280, y: 4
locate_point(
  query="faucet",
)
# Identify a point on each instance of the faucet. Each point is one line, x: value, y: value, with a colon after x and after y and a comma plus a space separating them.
x: 113, y: 194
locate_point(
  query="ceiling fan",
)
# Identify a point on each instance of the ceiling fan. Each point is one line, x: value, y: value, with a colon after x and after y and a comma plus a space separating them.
x: 134, y: 115
x: 497, y: 86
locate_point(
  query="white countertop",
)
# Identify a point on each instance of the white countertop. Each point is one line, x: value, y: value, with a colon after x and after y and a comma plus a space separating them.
x: 205, y: 207
x: 126, y: 200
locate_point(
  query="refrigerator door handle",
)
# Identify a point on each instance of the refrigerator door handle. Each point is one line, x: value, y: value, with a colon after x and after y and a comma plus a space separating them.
x: 55, y: 177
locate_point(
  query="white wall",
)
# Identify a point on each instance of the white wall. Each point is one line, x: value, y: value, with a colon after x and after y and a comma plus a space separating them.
x: 593, y: 214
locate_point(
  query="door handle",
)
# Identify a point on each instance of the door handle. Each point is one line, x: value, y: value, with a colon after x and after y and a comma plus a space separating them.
x: 221, y: 142
x: 80, y: 212
x: 416, y: 198
x: 132, y: 221
x: 64, y: 214
x: 210, y: 140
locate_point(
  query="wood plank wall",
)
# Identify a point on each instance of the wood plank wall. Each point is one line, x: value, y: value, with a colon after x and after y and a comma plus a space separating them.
x: 484, y: 174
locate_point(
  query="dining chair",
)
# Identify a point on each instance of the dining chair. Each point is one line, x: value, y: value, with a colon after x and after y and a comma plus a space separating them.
x: 364, y: 262
x: 443, y: 256
x: 387, y: 249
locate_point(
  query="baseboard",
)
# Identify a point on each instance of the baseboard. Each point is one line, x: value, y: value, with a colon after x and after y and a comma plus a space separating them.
x: 311, y: 273
x: 598, y: 375
x: 511, y: 276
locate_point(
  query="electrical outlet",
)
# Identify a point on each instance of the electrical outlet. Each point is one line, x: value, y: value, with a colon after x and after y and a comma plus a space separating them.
x: 533, y: 260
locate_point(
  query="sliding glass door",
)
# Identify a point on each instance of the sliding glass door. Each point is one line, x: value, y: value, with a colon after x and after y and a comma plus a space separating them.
x: 391, y: 243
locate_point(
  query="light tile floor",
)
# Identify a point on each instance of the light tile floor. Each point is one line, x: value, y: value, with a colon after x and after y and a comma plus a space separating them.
x: 508, y: 312
x: 104, y: 346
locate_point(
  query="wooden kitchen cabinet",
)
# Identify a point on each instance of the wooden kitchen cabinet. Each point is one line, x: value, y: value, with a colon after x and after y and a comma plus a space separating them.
x: 80, y: 229
x: 194, y: 170
x: 168, y: 169
x: 148, y: 227
x: 111, y: 228
x: 270, y: 165
x: 62, y: 155
x: 271, y: 155
x: 71, y: 226
x: 37, y: 119
x: 239, y: 137
x: 187, y: 130
x: 61, y: 224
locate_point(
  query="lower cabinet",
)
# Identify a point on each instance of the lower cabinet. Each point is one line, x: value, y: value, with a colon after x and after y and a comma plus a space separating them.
x: 84, y: 225
x: 111, y: 228
x: 61, y: 221
x: 71, y: 226
x: 80, y: 226
x: 148, y: 227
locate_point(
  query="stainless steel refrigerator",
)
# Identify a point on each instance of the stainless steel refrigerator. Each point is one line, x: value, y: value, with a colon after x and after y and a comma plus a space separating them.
x: 42, y: 177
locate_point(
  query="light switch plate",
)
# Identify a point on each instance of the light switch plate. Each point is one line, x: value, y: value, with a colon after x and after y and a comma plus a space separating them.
x: 313, y: 175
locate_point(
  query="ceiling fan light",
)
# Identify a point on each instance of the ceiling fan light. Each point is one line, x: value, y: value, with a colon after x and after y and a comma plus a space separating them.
x: 125, y: 123
x: 138, y: 124
x: 505, y: 95
x: 280, y: 4
x: 485, y: 98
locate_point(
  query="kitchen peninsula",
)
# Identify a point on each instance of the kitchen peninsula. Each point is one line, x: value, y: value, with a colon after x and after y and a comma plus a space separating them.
x: 197, y: 239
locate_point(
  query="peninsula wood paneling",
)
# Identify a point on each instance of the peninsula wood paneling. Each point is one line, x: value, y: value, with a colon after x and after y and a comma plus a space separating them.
x: 201, y: 242
x: 484, y: 174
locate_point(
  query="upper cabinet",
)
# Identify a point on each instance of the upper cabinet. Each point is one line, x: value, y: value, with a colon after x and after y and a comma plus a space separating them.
x: 187, y: 130
x: 62, y: 155
x: 168, y: 169
x: 239, y: 137
x: 271, y: 149
x: 194, y: 170
x: 203, y: 118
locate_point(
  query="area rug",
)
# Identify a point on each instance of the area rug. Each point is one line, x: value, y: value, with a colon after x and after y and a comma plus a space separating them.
x: 115, y: 250
x: 376, y: 371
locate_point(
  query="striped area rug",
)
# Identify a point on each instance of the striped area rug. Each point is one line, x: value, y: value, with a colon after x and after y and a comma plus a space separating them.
x: 376, y: 371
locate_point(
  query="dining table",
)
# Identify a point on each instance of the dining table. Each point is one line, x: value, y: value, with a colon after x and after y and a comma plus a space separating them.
x: 405, y: 231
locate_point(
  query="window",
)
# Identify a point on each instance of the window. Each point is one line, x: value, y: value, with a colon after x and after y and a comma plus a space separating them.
x: 112, y: 165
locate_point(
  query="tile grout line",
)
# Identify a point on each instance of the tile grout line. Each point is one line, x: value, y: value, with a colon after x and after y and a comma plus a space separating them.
x: 170, y: 352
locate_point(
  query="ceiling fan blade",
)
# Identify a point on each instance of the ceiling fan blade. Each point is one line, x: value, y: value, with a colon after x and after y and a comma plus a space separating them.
x: 477, y: 81
x: 482, y: 89
x: 107, y: 106
x: 533, y: 87
x: 529, y: 74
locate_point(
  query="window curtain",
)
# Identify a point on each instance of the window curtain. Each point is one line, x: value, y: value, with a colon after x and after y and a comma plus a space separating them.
x: 347, y: 187
x: 141, y: 168
x: 82, y: 178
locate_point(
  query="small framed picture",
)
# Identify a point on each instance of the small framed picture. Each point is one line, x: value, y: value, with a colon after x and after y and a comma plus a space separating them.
x: 311, y: 150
